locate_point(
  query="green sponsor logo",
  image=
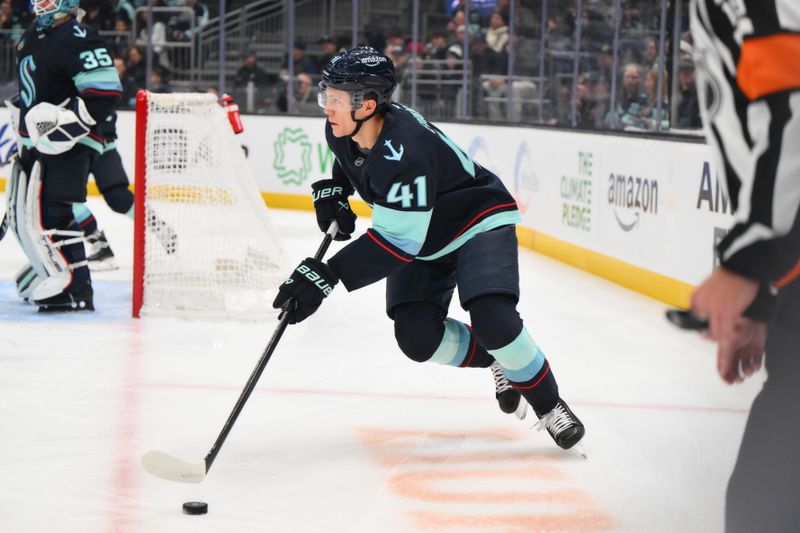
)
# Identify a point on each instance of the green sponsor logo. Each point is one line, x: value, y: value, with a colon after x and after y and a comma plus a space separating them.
x: 576, y: 195
x: 292, y: 156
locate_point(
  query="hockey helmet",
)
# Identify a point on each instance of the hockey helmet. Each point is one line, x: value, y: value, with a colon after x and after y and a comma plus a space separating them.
x: 47, y: 11
x: 359, y: 71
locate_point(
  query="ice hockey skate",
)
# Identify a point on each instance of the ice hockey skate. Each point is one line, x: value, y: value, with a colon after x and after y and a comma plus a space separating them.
x: 81, y: 300
x: 508, y: 399
x: 562, y: 424
x: 100, y: 256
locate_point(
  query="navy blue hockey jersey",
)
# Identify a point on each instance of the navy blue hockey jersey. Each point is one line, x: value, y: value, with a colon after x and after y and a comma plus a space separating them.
x: 428, y: 197
x: 64, y: 61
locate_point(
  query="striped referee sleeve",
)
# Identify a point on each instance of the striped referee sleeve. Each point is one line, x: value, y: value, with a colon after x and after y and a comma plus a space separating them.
x: 748, y: 79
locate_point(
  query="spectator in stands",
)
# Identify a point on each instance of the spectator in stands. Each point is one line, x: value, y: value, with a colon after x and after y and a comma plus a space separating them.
x: 328, y: 49
x: 99, y: 14
x: 630, y: 106
x: 649, y: 59
x: 688, y: 113
x: 449, y: 81
x: 253, y: 86
x: 10, y: 21
x: 305, y: 96
x: 302, y: 63
x: 650, y: 112
x: 436, y: 48
x: 485, y: 62
x: 22, y: 9
x: 159, y: 35
x: 129, y: 88
x: 399, y: 55
x: 181, y: 28
x: 135, y: 70
x: 123, y: 14
x: 250, y: 72
x: 158, y: 82
x: 497, y: 33
x: 394, y: 37
x: 458, y: 21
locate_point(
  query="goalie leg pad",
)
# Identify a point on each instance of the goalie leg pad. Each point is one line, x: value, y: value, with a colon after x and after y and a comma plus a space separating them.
x: 26, y: 281
x: 16, y: 193
x: 53, y: 242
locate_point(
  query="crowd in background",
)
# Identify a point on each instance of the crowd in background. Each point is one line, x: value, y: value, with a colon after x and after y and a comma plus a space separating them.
x: 482, y: 32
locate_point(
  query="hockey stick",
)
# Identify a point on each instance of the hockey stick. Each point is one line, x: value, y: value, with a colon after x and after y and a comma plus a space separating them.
x: 171, y: 468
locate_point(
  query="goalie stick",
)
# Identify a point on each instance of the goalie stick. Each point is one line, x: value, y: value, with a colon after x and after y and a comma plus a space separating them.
x: 171, y: 468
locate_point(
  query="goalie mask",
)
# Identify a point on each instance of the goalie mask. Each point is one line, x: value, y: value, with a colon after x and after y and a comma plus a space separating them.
x: 359, y: 72
x: 48, y: 11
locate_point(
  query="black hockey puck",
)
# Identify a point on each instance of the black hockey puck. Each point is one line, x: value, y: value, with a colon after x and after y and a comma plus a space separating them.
x: 687, y: 320
x: 195, y: 508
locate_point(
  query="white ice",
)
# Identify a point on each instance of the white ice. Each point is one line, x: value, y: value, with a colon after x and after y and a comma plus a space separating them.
x: 345, y: 434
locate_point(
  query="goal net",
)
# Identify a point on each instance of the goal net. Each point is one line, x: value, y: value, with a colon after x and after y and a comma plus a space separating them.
x: 204, y: 245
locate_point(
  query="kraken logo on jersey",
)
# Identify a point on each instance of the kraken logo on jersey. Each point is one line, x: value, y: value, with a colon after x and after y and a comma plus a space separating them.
x: 26, y: 68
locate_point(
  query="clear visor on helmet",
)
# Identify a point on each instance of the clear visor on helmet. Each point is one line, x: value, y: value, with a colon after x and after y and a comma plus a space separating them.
x: 46, y: 7
x: 337, y: 99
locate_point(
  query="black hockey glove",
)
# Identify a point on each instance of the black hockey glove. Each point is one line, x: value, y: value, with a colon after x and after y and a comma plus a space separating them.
x: 330, y: 202
x: 308, y: 285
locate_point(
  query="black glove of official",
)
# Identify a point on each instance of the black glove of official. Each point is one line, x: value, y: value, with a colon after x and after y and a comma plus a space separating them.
x: 330, y: 202
x: 308, y: 285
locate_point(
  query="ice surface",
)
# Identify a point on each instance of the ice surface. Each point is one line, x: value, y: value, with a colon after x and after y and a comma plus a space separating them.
x: 343, y: 433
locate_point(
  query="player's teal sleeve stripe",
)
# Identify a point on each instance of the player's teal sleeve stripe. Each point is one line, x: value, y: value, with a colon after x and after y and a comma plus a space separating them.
x: 103, y: 79
x: 81, y: 213
x: 91, y: 143
x: 110, y: 146
x: 27, y: 142
x: 454, y: 346
x: 404, y: 229
x: 489, y: 223
x: 521, y: 360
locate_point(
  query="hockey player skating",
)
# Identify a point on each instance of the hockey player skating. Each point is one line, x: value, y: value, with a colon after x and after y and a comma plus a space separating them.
x: 439, y: 220
x: 67, y: 85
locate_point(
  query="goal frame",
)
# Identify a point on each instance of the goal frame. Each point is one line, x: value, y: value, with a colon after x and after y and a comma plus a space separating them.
x: 140, y: 189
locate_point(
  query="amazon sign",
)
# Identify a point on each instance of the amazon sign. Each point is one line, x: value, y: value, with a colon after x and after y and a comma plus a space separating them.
x: 631, y: 198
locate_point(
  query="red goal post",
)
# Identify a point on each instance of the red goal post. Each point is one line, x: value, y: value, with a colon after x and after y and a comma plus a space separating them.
x: 204, y: 243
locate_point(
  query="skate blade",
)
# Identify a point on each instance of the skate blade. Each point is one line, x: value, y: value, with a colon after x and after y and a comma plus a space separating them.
x: 580, y: 450
x: 103, y: 266
x: 522, y: 409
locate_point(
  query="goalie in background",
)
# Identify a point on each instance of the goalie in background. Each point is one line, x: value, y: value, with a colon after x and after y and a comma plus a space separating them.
x: 439, y: 220
x: 68, y: 86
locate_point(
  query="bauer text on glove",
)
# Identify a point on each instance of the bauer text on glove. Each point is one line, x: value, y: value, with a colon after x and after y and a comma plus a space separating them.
x: 330, y: 203
x: 308, y: 285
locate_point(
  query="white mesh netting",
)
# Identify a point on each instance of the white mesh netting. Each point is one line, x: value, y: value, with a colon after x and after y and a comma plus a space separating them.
x: 210, y: 248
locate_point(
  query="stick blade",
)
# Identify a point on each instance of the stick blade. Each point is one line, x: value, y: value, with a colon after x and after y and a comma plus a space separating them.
x: 171, y: 468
